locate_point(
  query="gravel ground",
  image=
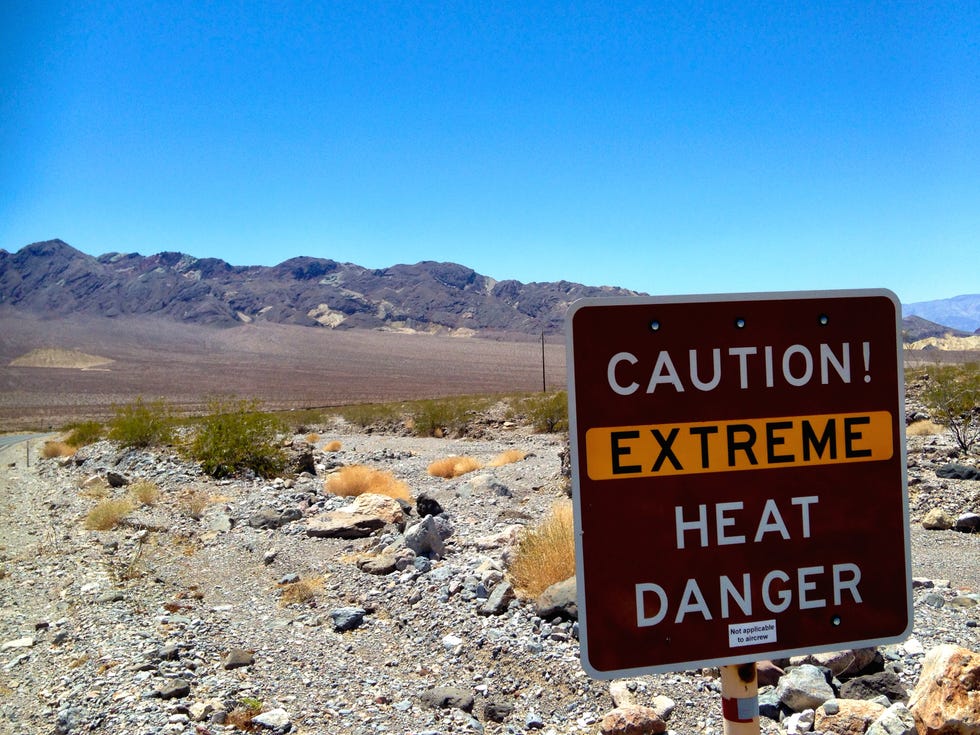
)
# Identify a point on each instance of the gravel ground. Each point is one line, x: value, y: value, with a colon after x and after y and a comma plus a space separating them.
x: 98, y: 627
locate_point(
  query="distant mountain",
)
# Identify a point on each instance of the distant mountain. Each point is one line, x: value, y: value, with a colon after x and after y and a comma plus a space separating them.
x: 915, y: 328
x: 959, y: 312
x: 54, y: 278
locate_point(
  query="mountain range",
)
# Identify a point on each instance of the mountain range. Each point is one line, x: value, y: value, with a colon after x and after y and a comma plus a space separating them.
x: 53, y: 278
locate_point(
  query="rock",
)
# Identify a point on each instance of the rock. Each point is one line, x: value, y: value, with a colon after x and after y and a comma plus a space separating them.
x: 426, y: 505
x: 846, y: 716
x: 804, y: 687
x: 425, y: 538
x: 174, y: 688
x: 841, y: 663
x: 896, y: 720
x: 265, y: 518
x: 237, y: 658
x: 957, y: 471
x: 558, y: 600
x: 799, y: 722
x: 115, y: 479
x: 937, y: 520
x: 25, y: 642
x: 305, y: 462
x: 632, y: 720
x: 497, y: 711
x: 274, y: 719
x: 767, y: 673
x: 387, y: 509
x: 663, y: 706
x: 448, y: 698
x: 622, y: 695
x: 946, y: 699
x: 498, y: 600
x: 869, y: 686
x: 383, y: 563
x: 343, y: 525
x: 967, y: 523
x: 347, y: 618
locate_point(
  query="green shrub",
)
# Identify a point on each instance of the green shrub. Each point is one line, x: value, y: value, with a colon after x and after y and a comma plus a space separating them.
x: 445, y: 416
x: 84, y: 433
x: 366, y: 415
x: 235, y: 437
x: 546, y: 413
x: 952, y: 394
x: 142, y: 424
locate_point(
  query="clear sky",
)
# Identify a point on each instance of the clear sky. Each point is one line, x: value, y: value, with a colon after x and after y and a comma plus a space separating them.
x: 663, y: 147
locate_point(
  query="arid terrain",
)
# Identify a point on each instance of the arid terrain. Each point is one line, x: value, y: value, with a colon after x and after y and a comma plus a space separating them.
x: 282, y: 366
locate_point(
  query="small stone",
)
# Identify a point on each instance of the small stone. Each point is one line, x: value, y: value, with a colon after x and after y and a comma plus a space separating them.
x: 448, y: 698
x: 174, y: 688
x: 347, y: 618
x: 237, y: 658
x: 274, y: 719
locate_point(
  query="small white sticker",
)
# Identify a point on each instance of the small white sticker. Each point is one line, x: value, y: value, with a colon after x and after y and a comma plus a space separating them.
x: 751, y: 634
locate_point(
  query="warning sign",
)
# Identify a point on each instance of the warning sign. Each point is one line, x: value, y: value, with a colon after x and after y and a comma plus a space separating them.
x: 738, y: 468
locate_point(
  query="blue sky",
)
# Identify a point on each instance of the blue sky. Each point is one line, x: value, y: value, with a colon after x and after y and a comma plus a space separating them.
x: 663, y: 147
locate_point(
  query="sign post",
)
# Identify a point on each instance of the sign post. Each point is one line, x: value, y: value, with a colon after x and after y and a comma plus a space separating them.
x: 738, y: 468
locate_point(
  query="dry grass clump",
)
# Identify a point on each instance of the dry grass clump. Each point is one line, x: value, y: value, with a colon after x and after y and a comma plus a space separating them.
x: 545, y: 553
x: 108, y: 514
x: 52, y: 449
x: 507, y: 457
x: 312, y: 438
x: 924, y: 428
x: 192, y: 502
x: 241, y: 716
x: 144, y: 492
x: 453, y: 466
x: 299, y: 592
x: 333, y: 446
x: 356, y: 479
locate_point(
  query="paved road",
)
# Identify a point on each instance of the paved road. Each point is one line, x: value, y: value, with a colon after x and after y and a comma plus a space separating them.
x: 11, y: 450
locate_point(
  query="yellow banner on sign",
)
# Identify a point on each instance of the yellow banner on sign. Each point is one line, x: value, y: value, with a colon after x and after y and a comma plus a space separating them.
x: 656, y: 450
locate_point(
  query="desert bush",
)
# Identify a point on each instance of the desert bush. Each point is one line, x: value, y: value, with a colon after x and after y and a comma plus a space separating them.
x: 234, y: 437
x: 357, y: 479
x: 142, y: 424
x: 952, y: 394
x: 365, y: 415
x: 52, y: 449
x: 240, y: 717
x: 108, y: 514
x: 453, y: 466
x: 144, y: 492
x: 192, y: 502
x: 312, y: 438
x: 333, y: 446
x: 299, y: 592
x: 508, y: 456
x: 85, y: 433
x: 924, y: 428
x: 546, y: 413
x: 545, y: 552
x: 445, y: 416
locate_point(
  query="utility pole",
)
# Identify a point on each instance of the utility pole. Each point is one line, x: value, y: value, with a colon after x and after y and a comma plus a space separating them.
x: 544, y: 385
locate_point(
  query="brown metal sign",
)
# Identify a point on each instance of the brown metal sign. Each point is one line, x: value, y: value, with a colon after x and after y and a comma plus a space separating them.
x: 738, y: 468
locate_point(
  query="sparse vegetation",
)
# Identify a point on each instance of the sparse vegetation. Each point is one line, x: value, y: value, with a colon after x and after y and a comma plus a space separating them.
x: 140, y: 424
x: 144, y: 492
x: 299, y: 592
x: 924, y: 428
x: 508, y: 456
x: 52, y: 449
x: 545, y: 552
x: 952, y: 393
x: 365, y: 415
x: 445, y: 416
x: 333, y: 446
x: 241, y: 716
x: 192, y: 502
x: 108, y: 514
x: 451, y: 467
x: 84, y: 433
x: 356, y: 480
x: 312, y: 438
x: 235, y: 437
x: 547, y: 413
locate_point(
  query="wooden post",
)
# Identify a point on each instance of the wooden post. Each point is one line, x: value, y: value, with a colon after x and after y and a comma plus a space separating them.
x: 740, y: 699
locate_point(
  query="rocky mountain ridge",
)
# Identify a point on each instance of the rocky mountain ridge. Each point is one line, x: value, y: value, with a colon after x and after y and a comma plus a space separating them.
x: 54, y: 278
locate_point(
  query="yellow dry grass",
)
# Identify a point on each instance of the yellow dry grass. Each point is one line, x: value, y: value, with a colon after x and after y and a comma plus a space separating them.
x: 453, y: 466
x: 192, y: 502
x: 545, y: 552
x: 358, y: 479
x: 508, y: 456
x: 144, y: 492
x: 108, y: 514
x: 333, y: 446
x: 924, y: 428
x: 301, y: 591
x: 312, y: 438
x: 52, y: 449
